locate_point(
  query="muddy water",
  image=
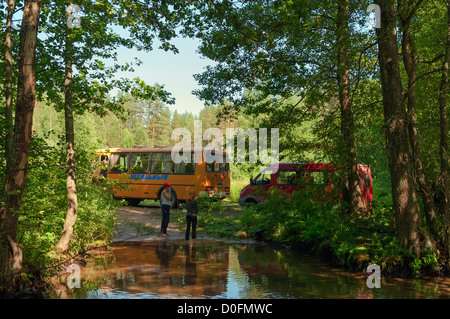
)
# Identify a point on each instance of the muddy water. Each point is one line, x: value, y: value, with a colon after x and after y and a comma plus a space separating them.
x: 212, y: 269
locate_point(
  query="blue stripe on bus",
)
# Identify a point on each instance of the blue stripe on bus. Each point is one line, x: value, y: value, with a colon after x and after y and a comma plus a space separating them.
x: 148, y: 177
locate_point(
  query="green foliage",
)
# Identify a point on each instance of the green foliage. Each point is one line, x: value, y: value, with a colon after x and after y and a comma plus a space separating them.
x: 323, y: 227
x: 207, y: 205
x: 44, y: 205
x: 288, y: 71
x: 215, y: 219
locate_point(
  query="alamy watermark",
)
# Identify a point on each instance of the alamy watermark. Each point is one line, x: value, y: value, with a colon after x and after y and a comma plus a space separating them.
x: 374, y: 280
x: 74, y: 278
x: 73, y: 16
x: 374, y: 18
x: 256, y: 138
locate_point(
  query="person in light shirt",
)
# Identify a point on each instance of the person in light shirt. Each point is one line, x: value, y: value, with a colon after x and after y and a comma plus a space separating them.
x: 166, y: 202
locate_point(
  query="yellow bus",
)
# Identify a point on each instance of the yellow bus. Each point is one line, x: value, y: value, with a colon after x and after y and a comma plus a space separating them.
x: 145, y: 171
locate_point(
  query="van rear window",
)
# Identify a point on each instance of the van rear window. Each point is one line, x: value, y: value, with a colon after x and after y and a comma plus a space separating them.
x: 287, y: 178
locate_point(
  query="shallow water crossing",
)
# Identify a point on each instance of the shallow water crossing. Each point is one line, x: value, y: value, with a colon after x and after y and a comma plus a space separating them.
x: 214, y: 269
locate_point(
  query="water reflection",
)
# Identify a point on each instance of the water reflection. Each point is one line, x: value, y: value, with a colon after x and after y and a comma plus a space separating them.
x: 211, y: 269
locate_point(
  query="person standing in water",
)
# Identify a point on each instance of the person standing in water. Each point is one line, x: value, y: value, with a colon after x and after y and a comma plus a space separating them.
x: 166, y: 202
x: 191, y: 215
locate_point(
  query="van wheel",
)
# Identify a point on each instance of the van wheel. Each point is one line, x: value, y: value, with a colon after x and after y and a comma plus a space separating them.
x: 174, y: 199
x: 250, y: 202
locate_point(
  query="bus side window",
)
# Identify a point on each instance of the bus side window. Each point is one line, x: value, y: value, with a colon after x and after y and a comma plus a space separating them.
x: 118, y: 163
x: 161, y: 163
x: 315, y: 178
x: 139, y: 162
x: 187, y: 166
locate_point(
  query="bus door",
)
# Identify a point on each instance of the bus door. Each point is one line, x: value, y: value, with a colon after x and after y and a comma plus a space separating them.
x: 118, y: 165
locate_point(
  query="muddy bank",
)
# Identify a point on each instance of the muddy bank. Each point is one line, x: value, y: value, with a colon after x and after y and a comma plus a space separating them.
x: 142, y: 224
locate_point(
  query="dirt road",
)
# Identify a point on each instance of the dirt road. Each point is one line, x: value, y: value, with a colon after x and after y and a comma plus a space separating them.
x: 142, y: 223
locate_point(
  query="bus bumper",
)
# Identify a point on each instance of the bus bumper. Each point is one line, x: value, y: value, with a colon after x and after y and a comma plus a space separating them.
x: 214, y: 194
x: 206, y: 194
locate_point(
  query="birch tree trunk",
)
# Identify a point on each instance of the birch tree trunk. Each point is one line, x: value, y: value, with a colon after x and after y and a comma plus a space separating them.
x: 8, y: 85
x: 71, y: 175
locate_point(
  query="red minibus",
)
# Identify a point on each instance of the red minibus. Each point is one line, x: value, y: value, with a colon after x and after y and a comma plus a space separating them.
x: 290, y: 177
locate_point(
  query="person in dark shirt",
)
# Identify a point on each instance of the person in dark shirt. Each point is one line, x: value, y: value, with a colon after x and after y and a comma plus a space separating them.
x: 191, y: 215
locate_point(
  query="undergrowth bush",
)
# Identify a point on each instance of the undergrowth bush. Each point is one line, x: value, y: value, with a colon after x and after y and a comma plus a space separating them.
x: 326, y: 228
x: 44, y: 205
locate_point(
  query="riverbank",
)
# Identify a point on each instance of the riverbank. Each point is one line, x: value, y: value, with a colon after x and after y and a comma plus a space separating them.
x: 324, y: 235
x: 216, y: 269
x: 138, y: 229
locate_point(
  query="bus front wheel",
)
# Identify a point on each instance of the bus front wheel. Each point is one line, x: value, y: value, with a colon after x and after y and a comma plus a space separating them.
x: 133, y: 201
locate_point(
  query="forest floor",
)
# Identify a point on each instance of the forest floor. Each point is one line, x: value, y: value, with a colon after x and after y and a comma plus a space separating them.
x: 142, y: 223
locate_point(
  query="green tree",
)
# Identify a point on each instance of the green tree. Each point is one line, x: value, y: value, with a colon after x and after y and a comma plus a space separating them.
x: 10, y: 250
x: 87, y: 91
x: 345, y: 100
x: 318, y: 63
x: 140, y: 136
x: 293, y: 61
x: 160, y: 122
x: 127, y: 138
x: 444, y: 129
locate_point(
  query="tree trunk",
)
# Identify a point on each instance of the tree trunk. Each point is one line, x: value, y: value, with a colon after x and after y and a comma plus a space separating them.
x: 10, y: 251
x: 8, y: 85
x: 71, y: 177
x: 444, y: 158
x: 410, y: 60
x: 354, y: 199
x: 406, y: 208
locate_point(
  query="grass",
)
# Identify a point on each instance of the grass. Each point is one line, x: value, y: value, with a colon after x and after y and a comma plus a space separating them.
x: 236, y: 187
x: 216, y: 219
x: 140, y: 228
